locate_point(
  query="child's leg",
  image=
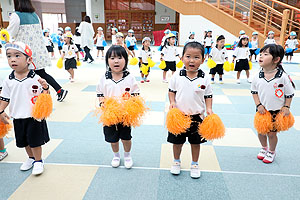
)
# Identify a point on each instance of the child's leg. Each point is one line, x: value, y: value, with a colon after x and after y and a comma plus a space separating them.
x: 213, y: 77
x: 115, y: 147
x: 52, y: 53
x: 195, y: 152
x: 238, y: 74
x: 173, y: 72
x: 29, y: 152
x: 220, y: 77
x: 102, y: 53
x: 1, y: 144
x: 37, y: 153
x: 263, y: 140
x: 164, y: 75
x: 287, y: 58
x: 291, y: 58
x: 272, y: 141
x: 177, y: 151
x: 133, y: 53
x: 247, y: 73
x: 126, y: 145
x: 142, y: 75
x: 98, y: 51
x: 71, y: 72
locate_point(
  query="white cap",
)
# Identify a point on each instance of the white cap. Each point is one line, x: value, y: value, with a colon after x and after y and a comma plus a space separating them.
x: 242, y: 32
x: 99, y: 29
x: 271, y: 32
x: 255, y: 33
x: 119, y: 34
x: 293, y: 33
x: 167, y: 31
x: 130, y: 31
x: 146, y: 39
x: 115, y: 29
x: 68, y: 28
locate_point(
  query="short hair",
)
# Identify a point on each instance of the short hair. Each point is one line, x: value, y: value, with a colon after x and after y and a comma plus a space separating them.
x: 116, y: 50
x: 194, y: 45
x: 24, y: 6
x: 87, y: 19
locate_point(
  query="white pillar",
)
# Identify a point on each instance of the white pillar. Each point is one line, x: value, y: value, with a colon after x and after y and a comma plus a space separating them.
x: 88, y: 8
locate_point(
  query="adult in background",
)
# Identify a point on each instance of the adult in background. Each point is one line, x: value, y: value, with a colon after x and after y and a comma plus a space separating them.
x: 87, y: 34
x: 25, y: 26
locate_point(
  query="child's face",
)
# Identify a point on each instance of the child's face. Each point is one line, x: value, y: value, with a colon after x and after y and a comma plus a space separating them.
x: 47, y: 34
x: 146, y: 43
x: 192, y: 36
x: 100, y: 32
x: 130, y: 34
x: 119, y: 40
x: 265, y: 59
x: 245, y: 41
x: 192, y: 59
x: 271, y: 36
x: 172, y: 41
x: 293, y: 37
x: 17, y: 60
x: 113, y: 32
x: 65, y: 39
x: 68, y: 40
x: 254, y: 36
x: 221, y: 43
x: 116, y: 63
x: 209, y: 34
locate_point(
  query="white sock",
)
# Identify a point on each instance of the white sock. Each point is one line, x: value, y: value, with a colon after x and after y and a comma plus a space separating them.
x: 126, y: 154
x: 117, y: 154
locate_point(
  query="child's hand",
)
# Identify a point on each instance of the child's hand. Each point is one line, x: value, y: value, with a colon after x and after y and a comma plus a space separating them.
x: 261, y: 109
x: 172, y: 105
x: 209, y: 111
x: 285, y: 111
x: 43, y: 82
x: 4, y: 118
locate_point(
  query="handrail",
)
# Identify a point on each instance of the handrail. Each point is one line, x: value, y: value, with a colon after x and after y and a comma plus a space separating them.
x: 285, y: 5
x: 270, y: 8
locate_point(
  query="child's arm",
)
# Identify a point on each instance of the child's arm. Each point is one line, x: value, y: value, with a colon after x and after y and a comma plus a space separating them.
x: 129, y: 52
x: 208, y: 104
x: 62, y: 55
x: 95, y: 38
x: 259, y: 106
x: 3, y: 116
x: 45, y: 86
x: 172, y: 100
x: 286, y: 108
x: 77, y: 54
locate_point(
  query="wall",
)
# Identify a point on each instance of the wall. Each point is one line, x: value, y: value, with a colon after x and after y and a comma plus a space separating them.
x: 7, y: 6
x: 162, y: 10
x: 45, y: 7
x: 198, y: 25
x: 98, y: 8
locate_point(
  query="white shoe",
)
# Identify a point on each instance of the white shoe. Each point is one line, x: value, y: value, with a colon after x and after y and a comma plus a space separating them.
x: 238, y: 81
x: 115, y: 162
x: 212, y: 82
x: 221, y: 82
x: 38, y: 168
x: 165, y: 81
x: 269, y: 158
x: 195, y: 172
x: 3, y: 155
x: 262, y: 154
x: 128, y: 162
x: 27, y: 165
x: 249, y: 80
x: 72, y: 80
x: 175, y: 169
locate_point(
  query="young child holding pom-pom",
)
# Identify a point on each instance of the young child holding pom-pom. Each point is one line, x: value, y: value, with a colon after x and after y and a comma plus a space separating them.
x: 20, y: 90
x: 190, y: 91
x: 117, y: 82
x: 272, y: 91
x: 3, y: 152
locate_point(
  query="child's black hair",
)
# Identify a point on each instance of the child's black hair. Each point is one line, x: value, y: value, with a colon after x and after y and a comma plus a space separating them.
x: 71, y: 41
x: 221, y: 37
x: 194, y: 45
x: 116, y: 50
x: 276, y: 51
x: 206, y: 34
x: 240, y: 44
x: 166, y: 43
x: 76, y: 32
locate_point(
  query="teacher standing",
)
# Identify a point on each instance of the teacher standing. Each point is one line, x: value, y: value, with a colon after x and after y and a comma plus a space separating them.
x: 87, y: 34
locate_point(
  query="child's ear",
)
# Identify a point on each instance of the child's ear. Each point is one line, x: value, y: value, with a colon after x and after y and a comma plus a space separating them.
x: 276, y: 60
x: 29, y: 60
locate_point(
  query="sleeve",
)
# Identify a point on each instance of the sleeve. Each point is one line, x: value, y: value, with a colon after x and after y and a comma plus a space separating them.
x: 248, y: 54
x: 14, y: 25
x: 286, y: 43
x: 212, y: 52
x: 254, y: 89
x: 64, y: 49
x: 288, y: 87
x: 226, y: 54
x: 208, y: 90
x: 99, y: 88
x: 135, y: 90
x: 172, y: 84
x: 265, y: 42
x: 5, y: 93
x: 140, y: 54
x: 80, y: 28
x: 296, y: 43
x: 164, y: 51
x: 177, y: 51
x: 75, y: 48
x: 235, y: 52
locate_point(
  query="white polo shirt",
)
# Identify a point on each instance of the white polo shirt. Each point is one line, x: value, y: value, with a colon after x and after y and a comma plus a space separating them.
x: 47, y: 41
x: 107, y: 87
x: 144, y: 55
x: 293, y: 44
x: 132, y: 40
x: 190, y: 94
x: 254, y: 44
x: 99, y: 42
x: 21, y: 94
x: 218, y: 56
x: 272, y: 93
x: 241, y: 53
x: 208, y: 41
x: 70, y: 51
x: 269, y: 41
x: 170, y: 53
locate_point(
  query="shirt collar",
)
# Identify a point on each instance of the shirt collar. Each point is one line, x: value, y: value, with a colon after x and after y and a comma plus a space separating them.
x: 108, y: 74
x: 145, y: 50
x: 277, y: 75
x: 30, y: 74
x: 200, y: 74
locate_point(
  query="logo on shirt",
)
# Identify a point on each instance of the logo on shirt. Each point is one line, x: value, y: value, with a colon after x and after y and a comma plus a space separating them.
x: 201, y: 86
x: 34, y: 92
x: 275, y: 85
x: 279, y: 93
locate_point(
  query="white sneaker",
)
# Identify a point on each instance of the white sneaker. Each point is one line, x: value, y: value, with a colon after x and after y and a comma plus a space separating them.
x: 221, y: 82
x: 238, y: 81
x: 115, y: 162
x: 38, y: 168
x: 262, y: 154
x: 165, y: 81
x: 175, y: 169
x: 3, y: 155
x: 269, y: 158
x: 195, y: 172
x: 72, y: 80
x: 128, y: 162
x: 28, y: 164
x: 212, y: 82
x: 249, y: 80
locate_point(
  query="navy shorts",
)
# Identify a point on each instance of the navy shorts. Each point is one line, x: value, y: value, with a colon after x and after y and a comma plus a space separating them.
x: 114, y: 133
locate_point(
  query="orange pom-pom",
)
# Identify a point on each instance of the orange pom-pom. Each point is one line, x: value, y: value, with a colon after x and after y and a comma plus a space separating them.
x: 110, y: 112
x: 134, y: 109
x: 4, y: 128
x: 42, y: 107
x: 212, y: 127
x: 177, y: 122
x: 284, y: 123
x: 263, y: 123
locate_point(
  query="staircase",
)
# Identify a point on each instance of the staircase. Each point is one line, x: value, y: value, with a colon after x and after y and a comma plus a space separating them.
x: 248, y: 15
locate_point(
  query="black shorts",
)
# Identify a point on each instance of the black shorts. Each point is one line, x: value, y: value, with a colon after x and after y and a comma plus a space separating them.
x: 30, y: 132
x: 50, y: 48
x: 289, y: 54
x: 131, y: 48
x: 252, y: 52
x: 100, y: 48
x: 191, y: 133
x: 144, y: 64
x: 59, y: 47
x: 78, y: 47
x: 217, y: 70
x: 116, y: 132
x: 242, y: 64
x: 70, y: 63
x: 170, y: 66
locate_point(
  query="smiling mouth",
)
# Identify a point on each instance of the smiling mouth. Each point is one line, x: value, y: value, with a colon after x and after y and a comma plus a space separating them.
x: 191, y: 65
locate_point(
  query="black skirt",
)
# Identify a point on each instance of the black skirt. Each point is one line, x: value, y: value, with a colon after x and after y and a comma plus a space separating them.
x: 70, y: 63
x: 241, y: 64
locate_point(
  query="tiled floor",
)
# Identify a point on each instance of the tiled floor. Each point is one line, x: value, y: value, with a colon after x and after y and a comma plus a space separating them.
x: 78, y: 159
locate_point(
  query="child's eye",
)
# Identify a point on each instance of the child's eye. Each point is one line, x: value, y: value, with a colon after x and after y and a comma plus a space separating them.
x: 188, y: 56
x: 17, y: 56
x: 120, y: 57
x: 197, y: 57
x: 8, y: 56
